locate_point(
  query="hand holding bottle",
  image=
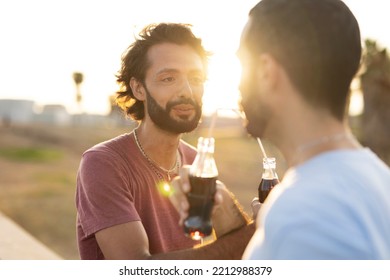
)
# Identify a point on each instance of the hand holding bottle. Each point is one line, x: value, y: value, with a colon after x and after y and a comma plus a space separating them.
x: 269, y: 179
x: 227, y: 214
x: 181, y: 186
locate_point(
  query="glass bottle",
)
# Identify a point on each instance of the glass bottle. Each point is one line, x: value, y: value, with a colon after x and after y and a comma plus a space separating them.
x: 269, y: 179
x: 203, y: 176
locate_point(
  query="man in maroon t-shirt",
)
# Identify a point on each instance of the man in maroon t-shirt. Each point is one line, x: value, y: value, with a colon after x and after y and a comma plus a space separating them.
x: 121, y: 213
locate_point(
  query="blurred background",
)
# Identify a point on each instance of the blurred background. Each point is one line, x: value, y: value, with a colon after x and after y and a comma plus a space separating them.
x: 58, y: 61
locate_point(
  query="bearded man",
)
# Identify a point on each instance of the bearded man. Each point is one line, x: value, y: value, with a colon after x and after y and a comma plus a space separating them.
x: 121, y: 212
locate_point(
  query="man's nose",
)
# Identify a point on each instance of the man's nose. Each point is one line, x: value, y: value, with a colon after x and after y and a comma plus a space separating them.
x: 186, y: 89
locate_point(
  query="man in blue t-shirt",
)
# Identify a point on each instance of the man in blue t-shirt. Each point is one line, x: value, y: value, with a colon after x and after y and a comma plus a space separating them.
x: 298, y: 59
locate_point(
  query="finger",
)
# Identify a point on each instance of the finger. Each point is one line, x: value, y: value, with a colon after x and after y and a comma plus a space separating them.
x: 184, y: 212
x: 178, y: 197
x: 184, y: 173
x: 220, y: 189
x: 255, y: 205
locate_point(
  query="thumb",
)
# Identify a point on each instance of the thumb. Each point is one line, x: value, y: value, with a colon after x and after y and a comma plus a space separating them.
x: 255, y: 205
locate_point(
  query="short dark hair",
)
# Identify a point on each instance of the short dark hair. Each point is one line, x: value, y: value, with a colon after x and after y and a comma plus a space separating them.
x: 317, y: 42
x: 135, y: 62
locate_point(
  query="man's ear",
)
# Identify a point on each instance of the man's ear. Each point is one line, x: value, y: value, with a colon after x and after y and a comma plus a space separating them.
x: 138, y: 89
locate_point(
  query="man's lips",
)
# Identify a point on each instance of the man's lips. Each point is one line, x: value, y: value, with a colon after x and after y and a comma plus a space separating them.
x: 183, y: 108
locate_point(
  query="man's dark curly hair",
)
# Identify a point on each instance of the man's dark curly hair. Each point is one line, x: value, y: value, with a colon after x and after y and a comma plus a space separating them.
x: 135, y: 62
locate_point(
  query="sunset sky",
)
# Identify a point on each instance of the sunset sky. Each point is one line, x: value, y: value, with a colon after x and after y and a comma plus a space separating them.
x: 44, y: 41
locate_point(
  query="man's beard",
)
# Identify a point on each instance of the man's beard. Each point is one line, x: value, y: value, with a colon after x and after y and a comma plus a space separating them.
x: 256, y: 113
x: 161, y: 117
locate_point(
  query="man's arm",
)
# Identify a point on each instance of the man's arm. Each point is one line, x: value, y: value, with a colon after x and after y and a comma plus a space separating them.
x: 228, y: 247
x: 129, y: 241
x: 124, y: 241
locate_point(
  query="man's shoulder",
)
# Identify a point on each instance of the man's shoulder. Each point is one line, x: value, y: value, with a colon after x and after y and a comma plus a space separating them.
x: 110, y: 144
x: 111, y: 148
x: 185, y: 146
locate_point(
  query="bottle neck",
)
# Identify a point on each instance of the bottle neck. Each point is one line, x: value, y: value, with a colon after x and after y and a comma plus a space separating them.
x: 204, y: 164
x: 269, y: 171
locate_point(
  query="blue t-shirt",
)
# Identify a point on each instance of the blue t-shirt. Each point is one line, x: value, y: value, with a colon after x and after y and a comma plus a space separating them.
x: 334, y: 206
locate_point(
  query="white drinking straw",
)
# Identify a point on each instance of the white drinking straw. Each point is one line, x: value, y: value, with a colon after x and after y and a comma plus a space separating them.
x: 212, y: 123
x: 261, y: 147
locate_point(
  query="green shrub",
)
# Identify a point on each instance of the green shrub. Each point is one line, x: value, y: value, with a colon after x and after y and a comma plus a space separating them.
x: 30, y: 154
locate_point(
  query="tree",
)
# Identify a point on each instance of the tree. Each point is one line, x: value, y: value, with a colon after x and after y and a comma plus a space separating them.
x: 375, y: 83
x: 78, y: 78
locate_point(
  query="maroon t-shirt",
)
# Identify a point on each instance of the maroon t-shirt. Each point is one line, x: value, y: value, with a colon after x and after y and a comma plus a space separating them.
x: 116, y: 185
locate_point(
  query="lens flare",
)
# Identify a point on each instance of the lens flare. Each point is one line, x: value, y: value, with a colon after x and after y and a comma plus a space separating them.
x: 165, y: 188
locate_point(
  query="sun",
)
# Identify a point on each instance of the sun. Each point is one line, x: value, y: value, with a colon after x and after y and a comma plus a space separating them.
x: 222, y: 39
x: 221, y: 89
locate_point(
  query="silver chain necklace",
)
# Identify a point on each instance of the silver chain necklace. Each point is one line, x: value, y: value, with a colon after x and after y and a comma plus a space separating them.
x: 323, y: 140
x: 154, y: 165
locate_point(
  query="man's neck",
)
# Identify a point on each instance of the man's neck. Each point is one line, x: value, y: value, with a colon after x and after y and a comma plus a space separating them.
x: 159, y: 145
x: 313, y: 136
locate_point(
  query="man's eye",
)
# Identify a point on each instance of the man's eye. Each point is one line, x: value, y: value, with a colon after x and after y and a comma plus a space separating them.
x: 197, y: 80
x: 168, y: 79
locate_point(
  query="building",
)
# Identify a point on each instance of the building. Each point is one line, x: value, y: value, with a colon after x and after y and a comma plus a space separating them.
x: 16, y: 111
x: 54, y: 114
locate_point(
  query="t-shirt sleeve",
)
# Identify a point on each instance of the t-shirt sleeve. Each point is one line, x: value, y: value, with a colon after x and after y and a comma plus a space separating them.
x: 104, y: 197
